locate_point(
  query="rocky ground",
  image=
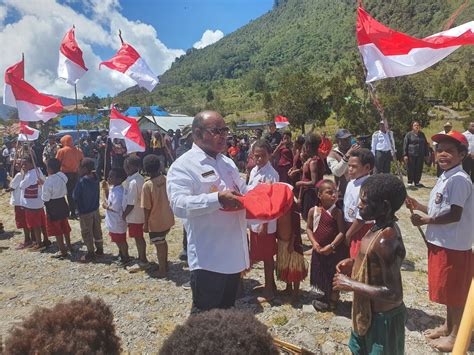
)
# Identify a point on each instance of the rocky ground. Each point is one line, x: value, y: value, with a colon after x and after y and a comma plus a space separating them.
x: 147, y: 309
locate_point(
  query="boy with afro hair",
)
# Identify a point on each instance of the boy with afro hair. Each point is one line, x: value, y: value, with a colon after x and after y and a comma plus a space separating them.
x: 84, y: 326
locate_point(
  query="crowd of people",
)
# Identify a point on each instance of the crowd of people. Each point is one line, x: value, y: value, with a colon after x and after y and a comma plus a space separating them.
x: 197, y: 176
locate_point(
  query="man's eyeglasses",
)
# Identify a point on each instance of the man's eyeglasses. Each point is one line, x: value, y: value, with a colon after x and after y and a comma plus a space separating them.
x: 218, y: 131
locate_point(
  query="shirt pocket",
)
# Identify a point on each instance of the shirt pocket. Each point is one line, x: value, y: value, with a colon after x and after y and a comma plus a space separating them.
x: 210, y: 184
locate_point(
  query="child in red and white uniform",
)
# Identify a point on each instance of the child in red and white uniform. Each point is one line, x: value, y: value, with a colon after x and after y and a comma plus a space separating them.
x: 449, y: 236
x: 133, y: 213
x: 30, y: 200
x: 361, y: 163
x: 263, y: 242
x: 53, y: 195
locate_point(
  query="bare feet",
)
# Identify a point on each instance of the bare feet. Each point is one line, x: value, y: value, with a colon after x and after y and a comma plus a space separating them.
x: 437, y: 332
x: 444, y: 344
x: 267, y: 296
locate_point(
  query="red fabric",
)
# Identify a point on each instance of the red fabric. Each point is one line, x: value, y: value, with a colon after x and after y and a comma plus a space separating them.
x: 118, y: 237
x: 268, y: 201
x: 20, y: 219
x: 451, y: 135
x: 286, y: 157
x: 34, y: 218
x: 123, y: 59
x: 135, y: 230
x: 449, y: 275
x: 71, y: 50
x: 325, y: 147
x: 357, y: 238
x: 233, y: 151
x: 320, y: 169
x: 17, y: 70
x: 262, y: 248
x: 133, y: 132
x: 57, y: 228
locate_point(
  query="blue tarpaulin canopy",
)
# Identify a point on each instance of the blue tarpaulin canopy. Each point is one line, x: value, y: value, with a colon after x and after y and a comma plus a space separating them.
x: 71, y: 120
x: 136, y: 111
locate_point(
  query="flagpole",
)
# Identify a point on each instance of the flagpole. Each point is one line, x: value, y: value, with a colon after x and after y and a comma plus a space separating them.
x: 77, y: 113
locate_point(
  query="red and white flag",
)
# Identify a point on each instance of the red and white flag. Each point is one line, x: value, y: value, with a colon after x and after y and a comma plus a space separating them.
x: 128, y: 61
x: 281, y: 122
x: 71, y: 65
x: 388, y: 53
x: 27, y: 133
x: 33, y: 106
x: 126, y: 128
x: 17, y: 70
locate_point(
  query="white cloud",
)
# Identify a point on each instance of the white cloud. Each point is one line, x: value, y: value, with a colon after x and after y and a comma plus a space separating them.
x: 208, y: 37
x: 39, y: 31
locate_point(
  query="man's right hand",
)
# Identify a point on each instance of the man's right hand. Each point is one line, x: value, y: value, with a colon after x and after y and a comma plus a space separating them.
x: 345, y: 266
x: 353, y: 148
x: 228, y: 199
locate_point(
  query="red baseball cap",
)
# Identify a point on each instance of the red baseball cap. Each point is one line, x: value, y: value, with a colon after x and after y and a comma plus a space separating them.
x: 452, y: 136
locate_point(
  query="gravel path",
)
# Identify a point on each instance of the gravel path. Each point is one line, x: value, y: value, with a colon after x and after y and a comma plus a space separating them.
x: 147, y: 309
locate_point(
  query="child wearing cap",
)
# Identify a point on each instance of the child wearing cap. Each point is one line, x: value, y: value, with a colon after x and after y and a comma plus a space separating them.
x: 449, y: 236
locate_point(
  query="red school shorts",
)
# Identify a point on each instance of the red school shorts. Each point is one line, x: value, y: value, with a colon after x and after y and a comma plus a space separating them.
x: 356, y: 239
x: 135, y: 230
x: 20, y: 219
x: 263, y: 247
x: 35, y: 218
x: 118, y: 237
x: 57, y: 228
x: 449, y: 275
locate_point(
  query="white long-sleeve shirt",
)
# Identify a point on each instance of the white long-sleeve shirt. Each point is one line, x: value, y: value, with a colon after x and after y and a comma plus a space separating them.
x: 54, y: 187
x: 470, y: 140
x: 381, y: 141
x: 30, y: 196
x: 338, y: 168
x: 217, y: 239
x: 15, y: 197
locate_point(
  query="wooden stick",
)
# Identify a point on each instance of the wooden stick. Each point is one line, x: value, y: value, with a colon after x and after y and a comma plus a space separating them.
x: 12, y: 168
x: 463, y: 339
x: 105, y: 157
x: 293, y: 349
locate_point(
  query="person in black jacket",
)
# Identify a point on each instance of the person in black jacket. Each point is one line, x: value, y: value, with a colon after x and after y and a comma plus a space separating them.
x: 415, y: 149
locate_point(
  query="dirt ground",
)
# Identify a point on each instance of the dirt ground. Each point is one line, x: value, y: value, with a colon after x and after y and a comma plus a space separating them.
x: 147, y: 309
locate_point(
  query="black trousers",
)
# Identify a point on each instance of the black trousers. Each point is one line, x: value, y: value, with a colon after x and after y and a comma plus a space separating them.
x: 382, y: 161
x: 468, y: 166
x: 415, y: 168
x: 72, y: 179
x: 213, y: 290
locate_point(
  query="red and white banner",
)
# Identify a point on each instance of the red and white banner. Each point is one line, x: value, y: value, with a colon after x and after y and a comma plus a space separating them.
x: 281, y: 122
x: 27, y: 133
x: 126, y: 128
x: 17, y: 70
x: 388, y: 53
x: 71, y: 65
x: 128, y: 61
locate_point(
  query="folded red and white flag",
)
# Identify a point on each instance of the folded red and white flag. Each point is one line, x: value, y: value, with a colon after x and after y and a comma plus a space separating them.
x: 388, y: 53
x: 33, y: 106
x: 128, y: 61
x: 27, y: 133
x: 71, y: 65
x: 281, y: 122
x: 17, y: 70
x: 126, y: 128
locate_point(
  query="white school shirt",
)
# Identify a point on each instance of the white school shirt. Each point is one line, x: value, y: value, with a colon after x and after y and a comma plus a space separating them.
x: 454, y: 187
x: 30, y: 196
x: 113, y: 214
x: 265, y: 174
x: 54, y: 187
x: 132, y: 195
x: 351, y: 199
x: 15, y: 195
x: 381, y: 141
x: 217, y: 239
x: 470, y: 139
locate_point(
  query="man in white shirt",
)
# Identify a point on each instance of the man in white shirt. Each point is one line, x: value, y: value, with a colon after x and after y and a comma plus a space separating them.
x: 203, y: 185
x: 383, y: 148
x: 468, y: 163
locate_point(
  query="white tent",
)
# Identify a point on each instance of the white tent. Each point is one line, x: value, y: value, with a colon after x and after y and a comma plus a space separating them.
x: 164, y: 123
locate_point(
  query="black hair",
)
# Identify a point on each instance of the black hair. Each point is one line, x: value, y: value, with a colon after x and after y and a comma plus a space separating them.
x: 325, y: 182
x: 118, y: 173
x: 300, y: 140
x: 151, y: 164
x: 313, y: 141
x: 54, y: 165
x: 365, y: 156
x: 262, y: 143
x: 385, y: 187
x: 88, y: 164
x: 134, y: 160
x: 287, y: 133
x: 220, y: 332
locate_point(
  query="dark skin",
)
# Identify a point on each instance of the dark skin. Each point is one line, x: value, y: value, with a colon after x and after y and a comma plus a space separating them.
x: 385, y: 259
x: 313, y: 168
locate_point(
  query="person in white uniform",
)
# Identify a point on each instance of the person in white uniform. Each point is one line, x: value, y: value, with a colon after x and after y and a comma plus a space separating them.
x: 383, y: 149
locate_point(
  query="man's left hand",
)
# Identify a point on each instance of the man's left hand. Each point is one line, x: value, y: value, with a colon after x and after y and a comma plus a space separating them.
x: 342, y: 283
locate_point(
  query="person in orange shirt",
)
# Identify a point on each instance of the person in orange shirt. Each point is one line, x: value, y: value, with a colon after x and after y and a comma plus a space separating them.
x: 70, y: 158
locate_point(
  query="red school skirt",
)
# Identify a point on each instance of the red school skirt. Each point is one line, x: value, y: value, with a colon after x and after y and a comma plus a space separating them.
x: 449, y: 275
x: 35, y: 218
x: 57, y: 228
x: 20, y: 218
x: 262, y: 247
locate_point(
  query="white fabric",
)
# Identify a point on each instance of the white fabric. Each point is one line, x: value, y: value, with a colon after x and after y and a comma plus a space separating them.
x: 142, y: 74
x: 470, y: 139
x: 118, y: 129
x: 54, y: 187
x: 351, y: 199
x: 113, y: 214
x: 281, y: 125
x: 133, y: 196
x: 68, y: 70
x: 29, y: 137
x: 217, y: 240
x: 265, y: 174
x: 31, y: 178
x: 338, y: 168
x: 8, y: 97
x: 381, y: 141
x: 454, y: 187
x: 31, y: 113
x: 15, y: 195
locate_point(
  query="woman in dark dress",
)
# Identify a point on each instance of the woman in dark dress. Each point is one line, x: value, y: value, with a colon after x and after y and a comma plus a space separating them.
x: 284, y: 157
x: 415, y: 149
